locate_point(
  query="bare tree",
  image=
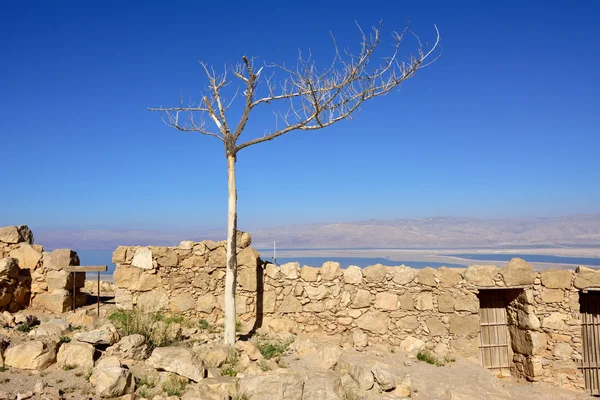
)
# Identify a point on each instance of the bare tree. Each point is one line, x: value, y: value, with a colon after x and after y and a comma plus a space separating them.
x: 312, y: 98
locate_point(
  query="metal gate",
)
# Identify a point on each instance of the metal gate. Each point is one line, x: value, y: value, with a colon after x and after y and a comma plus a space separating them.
x: 590, y: 333
x: 494, y: 351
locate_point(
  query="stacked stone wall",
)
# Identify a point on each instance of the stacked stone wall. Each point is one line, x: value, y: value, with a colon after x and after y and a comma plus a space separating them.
x: 31, y: 276
x: 435, y: 310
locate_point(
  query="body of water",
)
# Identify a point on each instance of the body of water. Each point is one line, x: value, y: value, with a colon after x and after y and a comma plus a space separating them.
x: 539, y: 258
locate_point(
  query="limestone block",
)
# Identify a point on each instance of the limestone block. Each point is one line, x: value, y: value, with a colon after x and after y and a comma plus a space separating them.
x: 410, y: 323
x: 206, y: 303
x: 105, y: 335
x: 557, y: 279
x: 16, y: 234
x: 373, y: 321
x: 436, y: 326
x: 527, y: 342
x: 58, y: 280
x: 466, y: 302
x: 248, y: 278
x: 427, y: 276
x: 217, y: 257
x: 30, y: 355
x: 57, y: 301
x: 290, y: 304
x: 465, y: 347
x: 135, y: 279
x: 183, y: 302
x: 248, y: 257
x: 586, y: 277
x: 330, y: 270
x: 153, y: 300
x: 375, y: 273
x: 278, y: 384
x: 424, y: 301
x: 406, y: 302
x: 272, y: 271
x: 27, y: 257
x: 269, y: 300
x: 403, y: 275
x: 518, y: 272
x: 323, y: 386
x: 362, y: 299
x: 562, y: 351
x: 412, y: 346
x: 123, y: 299
x: 142, y: 258
x: 386, y: 301
x: 243, y: 239
x: 554, y: 321
x: 309, y: 274
x: 449, y: 277
x: 527, y: 320
x: 316, y: 293
x: 464, y: 325
x: 168, y: 257
x: 289, y: 270
x: 59, y: 259
x: 119, y: 256
x: 77, y: 354
x: 353, y: 275
x: 481, y: 275
x: 552, y: 295
x: 178, y: 360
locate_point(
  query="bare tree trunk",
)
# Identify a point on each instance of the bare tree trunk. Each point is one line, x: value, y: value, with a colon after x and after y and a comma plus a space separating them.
x: 231, y: 272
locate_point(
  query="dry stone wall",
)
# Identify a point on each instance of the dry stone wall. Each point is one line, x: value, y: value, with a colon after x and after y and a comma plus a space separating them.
x: 31, y: 276
x: 435, y: 310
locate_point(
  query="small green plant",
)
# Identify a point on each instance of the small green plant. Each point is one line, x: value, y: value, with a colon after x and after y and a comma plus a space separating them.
x: 65, y: 339
x: 240, y: 397
x: 228, y: 371
x: 3, y: 369
x: 76, y: 327
x: 155, y: 327
x: 449, y: 359
x: 350, y: 395
x: 24, y: 327
x: 87, y: 375
x: 147, y: 381
x: 272, y: 349
x: 239, y: 326
x: 145, y: 392
x: 264, y: 366
x: 68, y: 367
x: 203, y: 325
x: 429, y: 359
x: 174, y: 387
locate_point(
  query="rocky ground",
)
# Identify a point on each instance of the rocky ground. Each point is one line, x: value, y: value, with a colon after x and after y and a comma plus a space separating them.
x: 130, y: 355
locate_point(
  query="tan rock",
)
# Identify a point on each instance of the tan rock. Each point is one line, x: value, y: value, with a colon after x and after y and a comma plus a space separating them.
x: 403, y: 275
x: 323, y: 386
x: 330, y: 270
x: 105, y: 335
x: 467, y: 302
x: 373, y: 321
x: 481, y: 275
x: 178, y: 360
x: 16, y: 234
x: 52, y: 329
x: 353, y: 275
x: 552, y: 295
x: 278, y: 384
x: 289, y: 270
x: 424, y: 301
x: 427, y: 277
x: 465, y: 347
x: 153, y: 300
x: 248, y: 279
x: 182, y: 302
x: 272, y: 271
x: 316, y: 293
x: 386, y: 301
x: 586, y: 277
x: 464, y: 325
x: 557, y: 278
x: 362, y: 299
x: 27, y: 257
x: 518, y: 272
x: 406, y: 302
x: 243, y: 239
x: 449, y: 277
x: 57, y: 301
x: 554, y: 321
x: 527, y: 342
x: 76, y: 354
x: 142, y: 258
x: 206, y: 303
x: 59, y: 259
x: 168, y: 257
x: 290, y: 304
x: 436, y: 326
x: 123, y: 299
x: 412, y: 346
x: 217, y: 257
x: 269, y: 300
x: 120, y: 255
x: 112, y: 381
x: 410, y: 323
x: 375, y: 273
x: 446, y: 303
x: 248, y: 258
x: 30, y: 355
x: 562, y: 351
x: 309, y: 274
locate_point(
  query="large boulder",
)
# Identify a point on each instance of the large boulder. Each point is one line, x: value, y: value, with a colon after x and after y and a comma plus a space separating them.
x: 16, y: 234
x: 586, y: 277
x: 142, y: 258
x: 27, y: 257
x: 57, y: 301
x: 330, y: 270
x: 353, y: 275
x: 77, y: 354
x: 557, y: 278
x: 178, y: 360
x: 373, y: 321
x: 54, y: 329
x: 30, y: 355
x: 481, y: 275
x: 130, y: 347
x: 375, y: 273
x: 106, y: 335
x: 323, y: 386
x: 358, y: 368
x: 60, y: 259
x: 279, y: 384
x: 518, y: 272
x: 111, y: 379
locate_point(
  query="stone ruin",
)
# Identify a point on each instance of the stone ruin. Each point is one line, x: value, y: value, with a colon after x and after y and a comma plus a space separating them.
x: 30, y: 276
x: 433, y: 310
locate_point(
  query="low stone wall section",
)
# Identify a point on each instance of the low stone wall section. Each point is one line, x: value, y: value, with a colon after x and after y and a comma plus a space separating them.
x: 31, y: 276
x: 435, y: 310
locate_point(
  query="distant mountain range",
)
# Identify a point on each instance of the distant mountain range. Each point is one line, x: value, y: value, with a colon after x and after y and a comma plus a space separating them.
x: 437, y: 232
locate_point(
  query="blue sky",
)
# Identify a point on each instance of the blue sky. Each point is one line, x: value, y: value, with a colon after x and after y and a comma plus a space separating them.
x: 506, y: 123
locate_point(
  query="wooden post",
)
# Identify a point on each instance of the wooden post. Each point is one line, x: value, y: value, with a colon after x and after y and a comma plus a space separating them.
x: 98, y: 294
x: 74, y: 276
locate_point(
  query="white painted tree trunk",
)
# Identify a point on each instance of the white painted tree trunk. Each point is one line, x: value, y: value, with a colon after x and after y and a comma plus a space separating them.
x: 231, y: 263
